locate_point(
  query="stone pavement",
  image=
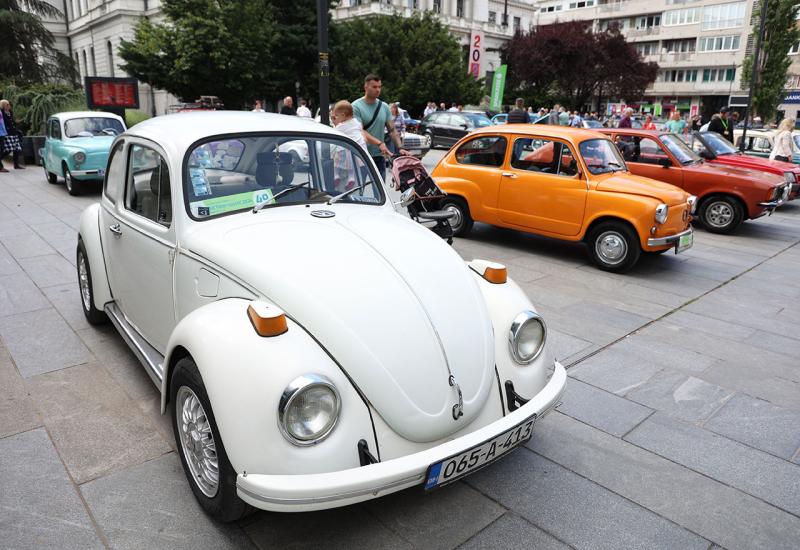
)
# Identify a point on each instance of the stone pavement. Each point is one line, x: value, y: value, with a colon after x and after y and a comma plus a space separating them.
x: 680, y: 427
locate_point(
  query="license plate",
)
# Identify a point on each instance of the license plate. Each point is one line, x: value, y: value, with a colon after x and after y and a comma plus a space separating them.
x: 415, y: 152
x: 685, y: 243
x: 457, y: 466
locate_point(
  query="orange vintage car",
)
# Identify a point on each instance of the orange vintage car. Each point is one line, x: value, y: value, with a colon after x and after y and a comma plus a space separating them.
x: 564, y: 183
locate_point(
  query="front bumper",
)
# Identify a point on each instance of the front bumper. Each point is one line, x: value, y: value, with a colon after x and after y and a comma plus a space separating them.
x: 302, y: 493
x: 670, y: 240
x: 88, y: 174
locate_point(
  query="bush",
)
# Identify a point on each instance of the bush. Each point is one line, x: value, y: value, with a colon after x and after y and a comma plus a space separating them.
x: 32, y: 105
x: 134, y: 117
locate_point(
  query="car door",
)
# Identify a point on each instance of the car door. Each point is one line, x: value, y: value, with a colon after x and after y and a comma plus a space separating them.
x: 543, y: 189
x: 647, y: 157
x: 52, y: 146
x: 480, y: 160
x: 139, y: 238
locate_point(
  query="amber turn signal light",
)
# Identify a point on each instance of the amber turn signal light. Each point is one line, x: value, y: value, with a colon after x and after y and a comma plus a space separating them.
x: 267, y: 320
x: 491, y: 271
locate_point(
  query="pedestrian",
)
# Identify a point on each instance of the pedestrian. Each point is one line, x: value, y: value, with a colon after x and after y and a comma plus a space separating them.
x: 576, y: 121
x: 518, y: 114
x: 399, y: 124
x: 442, y: 106
x: 453, y: 108
x: 563, y: 116
x: 376, y: 118
x: 625, y: 121
x: 288, y: 106
x: 12, y: 141
x: 303, y: 110
x: 258, y: 108
x: 696, y: 123
x: 3, y: 135
x: 722, y: 125
x: 430, y: 108
x: 342, y: 117
x: 552, y: 118
x: 676, y: 124
x: 784, y: 144
x: 344, y: 170
x: 541, y: 113
x: 704, y: 127
x: 648, y: 123
x: 735, y: 118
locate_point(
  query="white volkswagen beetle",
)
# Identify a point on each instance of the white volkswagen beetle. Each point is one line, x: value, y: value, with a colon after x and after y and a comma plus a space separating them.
x: 316, y: 348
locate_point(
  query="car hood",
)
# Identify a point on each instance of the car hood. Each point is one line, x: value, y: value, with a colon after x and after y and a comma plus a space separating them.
x: 756, y: 163
x: 97, y: 143
x: 395, y: 306
x: 707, y: 171
x: 638, y: 185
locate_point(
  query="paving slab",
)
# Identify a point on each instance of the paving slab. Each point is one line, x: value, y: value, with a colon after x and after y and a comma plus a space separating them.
x: 759, y: 424
x: 601, y: 409
x: 26, y: 245
x: 615, y: 370
x: 713, y: 510
x: 777, y: 383
x: 41, y: 341
x: 442, y: 519
x: 563, y: 345
x: 682, y: 396
x: 18, y: 294
x: 8, y: 265
x: 651, y: 349
x: 17, y: 411
x: 49, y: 270
x: 41, y: 507
x: 66, y: 299
x: 95, y: 426
x: 152, y: 506
x: 512, y: 532
x: 764, y: 476
x: 574, y: 509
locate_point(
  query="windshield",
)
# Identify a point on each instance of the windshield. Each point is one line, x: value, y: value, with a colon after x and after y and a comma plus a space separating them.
x: 478, y: 121
x: 236, y: 174
x: 679, y: 149
x: 718, y: 144
x: 601, y: 156
x: 593, y: 124
x: 92, y: 126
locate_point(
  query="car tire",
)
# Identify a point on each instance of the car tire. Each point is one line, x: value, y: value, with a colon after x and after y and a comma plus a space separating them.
x: 614, y: 246
x: 197, y: 438
x: 431, y: 138
x: 73, y: 186
x: 461, y: 222
x: 51, y: 177
x: 721, y: 214
x: 85, y: 288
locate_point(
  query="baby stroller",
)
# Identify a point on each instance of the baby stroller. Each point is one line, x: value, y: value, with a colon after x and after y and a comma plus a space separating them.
x: 420, y: 194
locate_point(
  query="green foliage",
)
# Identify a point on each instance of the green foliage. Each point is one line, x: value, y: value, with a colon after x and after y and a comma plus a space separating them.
x: 417, y: 58
x: 133, y: 117
x: 32, y: 105
x: 28, y: 54
x: 781, y: 34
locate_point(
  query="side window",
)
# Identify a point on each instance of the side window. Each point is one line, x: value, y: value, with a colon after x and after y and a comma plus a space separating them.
x: 485, y: 151
x: 147, y: 190
x: 644, y: 150
x: 762, y: 144
x: 115, y: 173
x: 544, y: 156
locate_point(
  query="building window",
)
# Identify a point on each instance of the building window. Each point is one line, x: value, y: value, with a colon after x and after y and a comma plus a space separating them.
x: 517, y: 24
x: 412, y: 4
x: 723, y: 16
x: 794, y: 50
x: 646, y: 48
x: 459, y: 8
x: 679, y: 75
x: 94, y: 61
x: 719, y: 43
x: 493, y: 17
x: 621, y: 24
x: 110, y: 58
x: 437, y: 6
x: 680, y: 46
x: 648, y: 21
x: 581, y: 4
x: 688, y: 16
x: 719, y: 75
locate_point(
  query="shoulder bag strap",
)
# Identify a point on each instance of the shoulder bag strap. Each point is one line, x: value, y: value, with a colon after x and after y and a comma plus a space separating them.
x: 374, y: 115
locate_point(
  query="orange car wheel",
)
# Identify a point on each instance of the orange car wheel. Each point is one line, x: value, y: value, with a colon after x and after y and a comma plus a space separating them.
x: 614, y: 246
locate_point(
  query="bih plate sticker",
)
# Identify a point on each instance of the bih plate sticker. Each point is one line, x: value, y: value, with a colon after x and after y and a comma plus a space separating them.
x: 685, y: 242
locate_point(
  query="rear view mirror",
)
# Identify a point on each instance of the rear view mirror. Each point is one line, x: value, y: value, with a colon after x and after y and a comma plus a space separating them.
x: 407, y: 197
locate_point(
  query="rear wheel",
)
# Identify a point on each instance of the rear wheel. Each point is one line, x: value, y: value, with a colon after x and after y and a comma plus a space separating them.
x: 431, y: 139
x: 51, y: 177
x: 721, y: 214
x: 460, y: 220
x: 93, y: 315
x: 614, y: 246
x: 73, y: 186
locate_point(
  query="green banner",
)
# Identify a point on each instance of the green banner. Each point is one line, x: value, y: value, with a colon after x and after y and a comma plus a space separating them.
x: 498, y: 86
x: 221, y: 205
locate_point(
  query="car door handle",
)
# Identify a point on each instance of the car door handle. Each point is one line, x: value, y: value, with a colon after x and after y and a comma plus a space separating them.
x: 116, y: 229
x: 509, y: 175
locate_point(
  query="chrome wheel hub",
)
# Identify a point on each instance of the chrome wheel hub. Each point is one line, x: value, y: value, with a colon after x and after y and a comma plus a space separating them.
x: 197, y: 441
x: 83, y: 282
x: 719, y: 214
x: 456, y: 219
x: 611, y: 247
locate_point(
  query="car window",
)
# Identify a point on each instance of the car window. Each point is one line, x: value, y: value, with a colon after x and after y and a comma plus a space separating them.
x: 484, y: 151
x: 545, y: 156
x: 92, y: 126
x: 115, y: 173
x: 147, y: 189
x: 762, y: 144
x: 644, y: 150
x: 601, y: 157
x: 718, y: 144
x: 679, y: 149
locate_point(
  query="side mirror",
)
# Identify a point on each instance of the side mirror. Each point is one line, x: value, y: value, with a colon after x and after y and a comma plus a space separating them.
x: 665, y: 162
x: 705, y: 154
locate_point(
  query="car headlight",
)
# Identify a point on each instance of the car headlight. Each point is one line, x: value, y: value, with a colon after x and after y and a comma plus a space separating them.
x: 79, y: 157
x: 308, y: 409
x: 692, y: 202
x: 790, y: 177
x: 527, y: 337
x: 662, y: 210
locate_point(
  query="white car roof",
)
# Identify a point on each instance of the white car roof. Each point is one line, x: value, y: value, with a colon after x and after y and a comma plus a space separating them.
x: 180, y: 130
x: 83, y: 114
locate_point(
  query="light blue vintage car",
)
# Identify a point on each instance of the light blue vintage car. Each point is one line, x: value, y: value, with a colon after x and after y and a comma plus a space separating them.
x: 77, y: 146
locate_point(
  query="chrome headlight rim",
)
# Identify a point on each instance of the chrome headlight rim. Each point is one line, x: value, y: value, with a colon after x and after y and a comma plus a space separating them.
x: 790, y: 177
x: 79, y: 157
x: 662, y: 211
x: 692, y: 202
x: 296, y: 388
x: 519, y: 322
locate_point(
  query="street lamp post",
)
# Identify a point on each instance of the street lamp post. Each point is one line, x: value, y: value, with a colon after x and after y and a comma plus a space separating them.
x: 754, y: 70
x: 324, y: 61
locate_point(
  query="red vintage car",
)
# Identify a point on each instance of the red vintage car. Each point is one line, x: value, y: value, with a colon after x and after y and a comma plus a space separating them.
x: 727, y: 195
x: 717, y: 150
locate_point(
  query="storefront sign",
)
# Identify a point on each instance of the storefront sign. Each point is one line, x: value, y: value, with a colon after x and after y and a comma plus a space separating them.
x: 475, y: 54
x: 498, y: 86
x: 792, y: 97
x: 657, y: 109
x: 111, y: 93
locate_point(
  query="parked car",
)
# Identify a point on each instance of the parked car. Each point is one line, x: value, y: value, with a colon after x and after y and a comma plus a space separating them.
x: 727, y: 195
x: 315, y: 347
x: 444, y: 128
x: 564, y: 183
x: 502, y: 118
x: 76, y: 147
x: 715, y: 149
x: 412, y: 124
x: 416, y: 144
x: 759, y: 142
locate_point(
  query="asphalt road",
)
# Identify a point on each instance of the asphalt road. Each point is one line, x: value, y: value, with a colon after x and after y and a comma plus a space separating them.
x: 680, y: 427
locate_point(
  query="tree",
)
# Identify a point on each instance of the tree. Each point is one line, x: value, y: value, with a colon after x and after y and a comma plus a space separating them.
x: 567, y: 62
x: 781, y: 34
x: 27, y: 54
x: 417, y: 58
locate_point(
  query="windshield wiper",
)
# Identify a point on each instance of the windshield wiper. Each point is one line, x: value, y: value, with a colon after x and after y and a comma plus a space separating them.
x: 258, y: 207
x: 340, y: 196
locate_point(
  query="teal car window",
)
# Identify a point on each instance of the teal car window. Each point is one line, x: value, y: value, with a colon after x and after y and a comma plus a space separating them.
x: 92, y: 126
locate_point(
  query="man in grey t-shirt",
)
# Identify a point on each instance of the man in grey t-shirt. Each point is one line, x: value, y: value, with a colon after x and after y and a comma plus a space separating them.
x: 375, y: 116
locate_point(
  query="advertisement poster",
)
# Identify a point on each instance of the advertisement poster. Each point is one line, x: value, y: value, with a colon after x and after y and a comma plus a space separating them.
x: 475, y: 54
x: 693, y: 110
x: 498, y: 86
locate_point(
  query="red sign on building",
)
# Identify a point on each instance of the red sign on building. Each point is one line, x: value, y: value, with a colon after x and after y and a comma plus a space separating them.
x: 111, y: 93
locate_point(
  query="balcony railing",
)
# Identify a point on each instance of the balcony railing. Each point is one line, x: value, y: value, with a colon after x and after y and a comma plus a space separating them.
x: 676, y: 56
x: 649, y: 31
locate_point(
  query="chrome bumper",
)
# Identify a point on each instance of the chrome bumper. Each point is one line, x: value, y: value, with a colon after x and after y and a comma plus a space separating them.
x: 87, y: 173
x: 668, y: 240
x: 302, y: 493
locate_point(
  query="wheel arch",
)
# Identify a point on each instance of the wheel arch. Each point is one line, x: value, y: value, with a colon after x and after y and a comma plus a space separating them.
x: 608, y: 218
x: 89, y: 235
x: 725, y: 193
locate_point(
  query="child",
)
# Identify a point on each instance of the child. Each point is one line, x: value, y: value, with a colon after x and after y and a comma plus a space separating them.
x: 342, y: 116
x: 344, y: 167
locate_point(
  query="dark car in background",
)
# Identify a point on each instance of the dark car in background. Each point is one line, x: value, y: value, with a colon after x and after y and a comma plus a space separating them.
x: 445, y: 128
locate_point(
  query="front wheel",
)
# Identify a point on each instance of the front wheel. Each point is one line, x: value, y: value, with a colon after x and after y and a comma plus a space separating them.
x: 73, y: 186
x: 93, y: 315
x: 460, y: 220
x: 721, y: 214
x: 614, y: 246
x: 205, y: 462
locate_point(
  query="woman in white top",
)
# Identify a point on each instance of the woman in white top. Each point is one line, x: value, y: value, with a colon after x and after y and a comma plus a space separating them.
x: 784, y: 145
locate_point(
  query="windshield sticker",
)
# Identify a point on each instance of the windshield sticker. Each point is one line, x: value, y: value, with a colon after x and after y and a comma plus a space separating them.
x: 221, y: 205
x: 199, y: 182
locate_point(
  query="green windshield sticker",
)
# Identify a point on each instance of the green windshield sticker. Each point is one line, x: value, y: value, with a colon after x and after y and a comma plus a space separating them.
x: 239, y: 201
